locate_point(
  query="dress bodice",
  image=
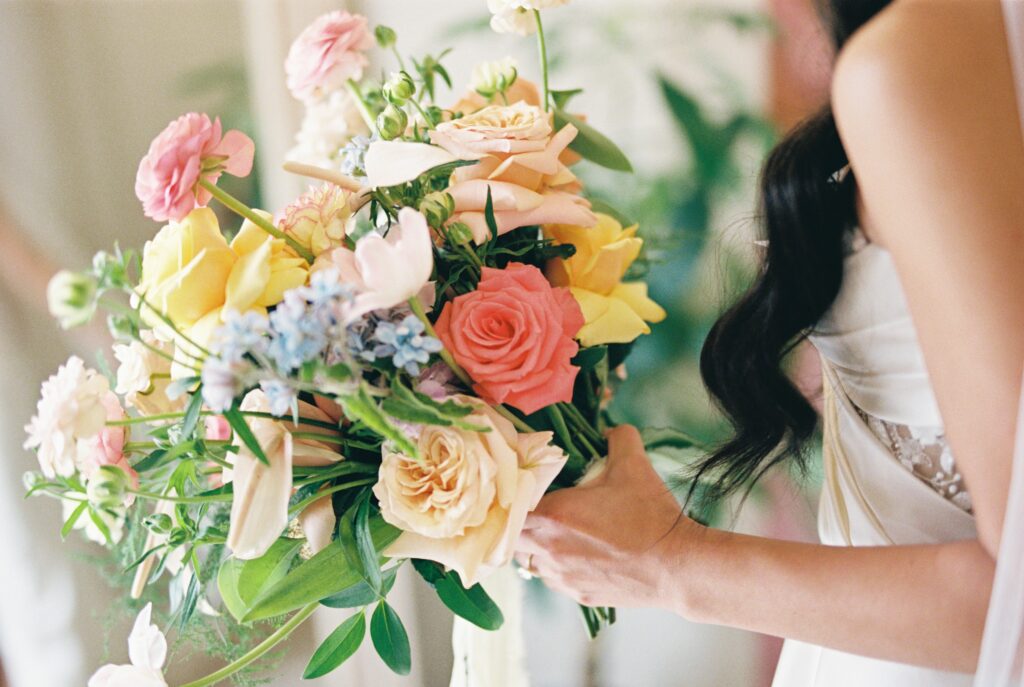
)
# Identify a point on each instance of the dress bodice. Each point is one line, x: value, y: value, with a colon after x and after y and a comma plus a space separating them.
x: 869, y: 340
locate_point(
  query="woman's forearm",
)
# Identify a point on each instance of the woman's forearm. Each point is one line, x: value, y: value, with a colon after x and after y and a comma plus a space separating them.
x: 923, y: 605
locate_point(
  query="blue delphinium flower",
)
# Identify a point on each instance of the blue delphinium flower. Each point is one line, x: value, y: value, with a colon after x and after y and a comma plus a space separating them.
x: 405, y: 343
x: 280, y: 395
x: 222, y: 382
x: 358, y: 341
x: 297, y: 336
x: 241, y: 334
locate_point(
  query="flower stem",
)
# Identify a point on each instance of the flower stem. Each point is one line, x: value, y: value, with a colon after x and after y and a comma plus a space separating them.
x: 543, y: 46
x: 361, y: 105
x: 243, y: 210
x: 213, y: 498
x: 423, y: 113
x: 258, y: 651
x: 562, y: 430
x: 303, y: 504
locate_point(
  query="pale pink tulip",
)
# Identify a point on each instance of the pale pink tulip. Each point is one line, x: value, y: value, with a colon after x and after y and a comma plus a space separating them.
x: 386, y: 271
x: 189, y: 149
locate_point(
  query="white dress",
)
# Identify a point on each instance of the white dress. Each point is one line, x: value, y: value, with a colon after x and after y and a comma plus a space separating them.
x: 889, y: 476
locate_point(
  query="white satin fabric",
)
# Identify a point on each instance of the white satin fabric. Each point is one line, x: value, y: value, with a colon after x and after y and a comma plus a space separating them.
x: 871, y: 360
x: 1002, y: 649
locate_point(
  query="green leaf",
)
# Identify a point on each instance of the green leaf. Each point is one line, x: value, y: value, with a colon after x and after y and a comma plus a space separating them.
x: 188, y: 424
x: 337, y: 648
x: 411, y: 406
x: 368, y: 557
x: 362, y: 594
x: 409, y: 412
x: 473, y: 604
x: 562, y: 98
x: 259, y: 574
x: 326, y: 574
x: 69, y: 524
x: 390, y: 639
x: 241, y: 428
x: 362, y: 408
x: 227, y: 585
x: 492, y: 223
x: 593, y: 145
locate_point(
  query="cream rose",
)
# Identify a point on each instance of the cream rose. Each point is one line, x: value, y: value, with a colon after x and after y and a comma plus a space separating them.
x: 519, y: 163
x: 143, y: 375
x: 463, y: 504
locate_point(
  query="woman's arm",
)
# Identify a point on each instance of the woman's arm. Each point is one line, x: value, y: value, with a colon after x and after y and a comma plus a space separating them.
x: 924, y: 103
x: 621, y: 541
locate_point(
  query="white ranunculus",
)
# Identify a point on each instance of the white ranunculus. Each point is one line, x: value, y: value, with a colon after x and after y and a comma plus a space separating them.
x: 71, y: 408
x: 516, y: 16
x: 464, y: 501
x: 147, y: 650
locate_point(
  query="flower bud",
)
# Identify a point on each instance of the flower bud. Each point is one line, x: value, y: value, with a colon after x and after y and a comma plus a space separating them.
x: 31, y: 480
x: 392, y: 122
x: 399, y: 88
x: 71, y: 297
x: 386, y: 36
x: 159, y: 523
x: 460, y: 234
x: 108, y: 487
x: 437, y: 207
x: 492, y: 78
x: 110, y: 269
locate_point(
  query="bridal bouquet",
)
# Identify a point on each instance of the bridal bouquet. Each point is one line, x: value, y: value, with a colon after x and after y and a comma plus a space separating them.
x: 394, y: 368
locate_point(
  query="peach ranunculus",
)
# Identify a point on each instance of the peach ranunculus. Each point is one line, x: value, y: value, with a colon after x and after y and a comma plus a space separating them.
x: 189, y: 149
x: 615, y: 311
x: 259, y: 509
x: 519, y: 163
x: 514, y: 336
x: 464, y: 501
x: 319, y: 219
x: 327, y: 53
x: 143, y: 375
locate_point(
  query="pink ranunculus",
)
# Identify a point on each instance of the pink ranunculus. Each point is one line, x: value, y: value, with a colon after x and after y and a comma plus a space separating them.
x: 217, y: 428
x: 107, y: 447
x: 327, y: 53
x: 514, y: 336
x: 189, y: 149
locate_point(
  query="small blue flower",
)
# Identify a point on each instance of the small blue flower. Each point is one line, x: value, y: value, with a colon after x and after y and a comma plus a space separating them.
x: 353, y: 156
x: 221, y: 383
x: 297, y: 336
x: 241, y: 334
x: 405, y: 343
x: 282, y: 398
x: 358, y: 341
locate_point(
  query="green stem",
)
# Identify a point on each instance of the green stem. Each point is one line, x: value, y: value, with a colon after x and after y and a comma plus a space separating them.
x: 562, y: 430
x: 214, y: 498
x: 543, y: 46
x: 266, y: 645
x: 170, y: 323
x: 243, y: 210
x: 398, y: 56
x: 301, y: 505
x: 423, y: 113
x: 361, y: 105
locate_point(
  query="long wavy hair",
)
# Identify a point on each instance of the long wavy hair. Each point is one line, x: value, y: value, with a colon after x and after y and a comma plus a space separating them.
x: 806, y: 213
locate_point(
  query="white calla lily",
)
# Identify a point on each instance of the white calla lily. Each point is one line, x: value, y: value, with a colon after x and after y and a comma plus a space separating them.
x: 147, y: 650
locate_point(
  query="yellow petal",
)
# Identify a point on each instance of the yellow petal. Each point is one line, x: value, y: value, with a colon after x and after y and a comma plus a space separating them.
x: 285, y: 274
x: 635, y: 295
x: 608, y: 320
x: 249, y: 278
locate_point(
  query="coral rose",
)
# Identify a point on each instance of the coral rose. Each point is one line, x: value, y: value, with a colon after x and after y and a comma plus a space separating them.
x: 189, y: 149
x: 464, y: 502
x: 520, y: 166
x: 514, y: 336
x: 328, y: 52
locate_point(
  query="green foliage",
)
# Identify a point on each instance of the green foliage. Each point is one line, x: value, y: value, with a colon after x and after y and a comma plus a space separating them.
x: 593, y: 145
x: 361, y: 407
x: 390, y: 639
x: 338, y: 647
x: 241, y: 428
x: 472, y: 604
x: 241, y: 582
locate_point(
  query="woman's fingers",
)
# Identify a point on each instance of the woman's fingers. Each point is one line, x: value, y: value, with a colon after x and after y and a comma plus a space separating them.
x: 626, y: 451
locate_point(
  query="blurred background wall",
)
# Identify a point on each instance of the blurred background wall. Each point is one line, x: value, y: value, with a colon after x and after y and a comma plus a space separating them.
x: 693, y: 91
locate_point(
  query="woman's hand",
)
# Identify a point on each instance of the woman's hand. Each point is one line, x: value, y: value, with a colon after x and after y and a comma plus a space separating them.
x: 614, y: 541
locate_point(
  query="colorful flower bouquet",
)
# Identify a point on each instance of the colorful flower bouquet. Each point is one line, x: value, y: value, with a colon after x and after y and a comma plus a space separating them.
x: 396, y: 367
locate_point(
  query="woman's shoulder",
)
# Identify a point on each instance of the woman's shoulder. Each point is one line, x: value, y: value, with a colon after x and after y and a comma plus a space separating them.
x: 915, y: 52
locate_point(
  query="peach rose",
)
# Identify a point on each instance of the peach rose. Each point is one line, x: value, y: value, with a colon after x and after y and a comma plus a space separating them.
x: 327, y: 53
x: 464, y: 502
x: 520, y: 164
x: 514, y: 336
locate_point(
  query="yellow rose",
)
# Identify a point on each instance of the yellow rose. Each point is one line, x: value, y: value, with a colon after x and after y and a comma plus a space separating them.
x: 185, y: 269
x: 614, y: 312
x: 266, y: 268
x: 464, y: 502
